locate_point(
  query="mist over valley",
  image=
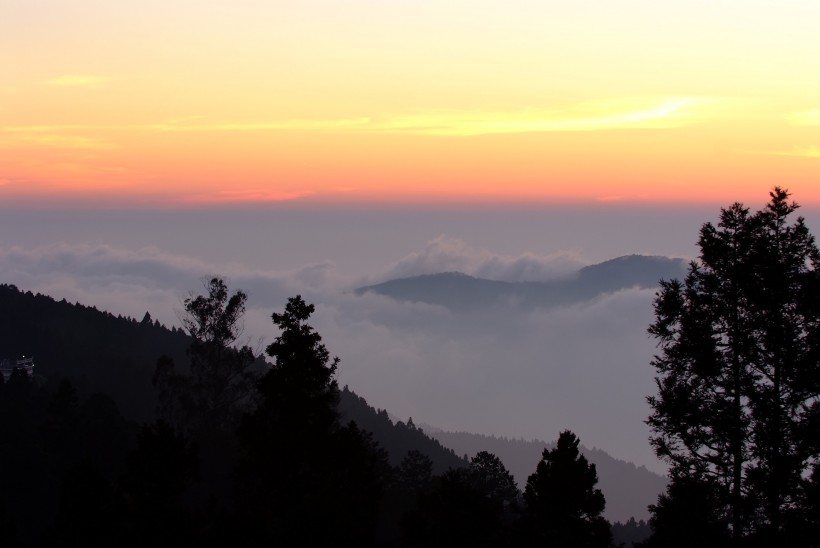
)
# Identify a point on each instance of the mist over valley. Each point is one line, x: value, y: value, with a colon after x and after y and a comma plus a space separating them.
x: 517, y: 344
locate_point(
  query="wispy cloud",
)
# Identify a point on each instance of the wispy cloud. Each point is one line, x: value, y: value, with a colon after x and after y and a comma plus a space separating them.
x: 801, y: 152
x: 340, y: 124
x: 239, y: 196
x: 76, y: 81
x: 657, y: 113
x: 61, y: 137
x: 592, y: 116
x: 446, y: 254
x: 809, y: 117
x: 69, y: 141
x: 596, y: 116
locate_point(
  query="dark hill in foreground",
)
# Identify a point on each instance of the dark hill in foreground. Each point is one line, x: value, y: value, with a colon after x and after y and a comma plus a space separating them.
x: 463, y: 293
x: 97, y: 351
x: 100, y: 352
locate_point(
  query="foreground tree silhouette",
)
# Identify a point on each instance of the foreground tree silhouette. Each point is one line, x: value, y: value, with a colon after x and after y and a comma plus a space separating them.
x: 491, y: 478
x: 473, y: 506
x: 453, y: 511
x: 305, y: 479
x: 159, y: 470
x: 215, y: 391
x: 738, y: 377
x: 415, y: 472
x: 808, y: 528
x: 562, y: 507
x: 688, y: 514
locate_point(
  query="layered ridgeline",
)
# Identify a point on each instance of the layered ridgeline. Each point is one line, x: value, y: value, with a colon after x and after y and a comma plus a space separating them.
x: 628, y: 488
x: 463, y: 293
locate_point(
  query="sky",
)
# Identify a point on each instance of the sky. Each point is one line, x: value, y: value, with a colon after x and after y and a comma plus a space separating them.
x: 316, y: 146
x: 197, y: 103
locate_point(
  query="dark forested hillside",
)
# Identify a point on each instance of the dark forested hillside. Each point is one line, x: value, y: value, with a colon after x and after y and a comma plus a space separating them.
x: 397, y: 438
x: 98, y: 351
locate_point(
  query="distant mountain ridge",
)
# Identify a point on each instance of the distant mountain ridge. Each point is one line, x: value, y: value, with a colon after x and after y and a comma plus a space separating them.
x: 464, y: 293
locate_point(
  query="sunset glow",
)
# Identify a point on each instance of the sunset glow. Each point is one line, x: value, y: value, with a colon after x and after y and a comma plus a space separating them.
x: 189, y: 103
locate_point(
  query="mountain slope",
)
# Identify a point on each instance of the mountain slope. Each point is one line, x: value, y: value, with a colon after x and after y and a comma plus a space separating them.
x: 397, y: 438
x: 100, y: 352
x: 463, y: 293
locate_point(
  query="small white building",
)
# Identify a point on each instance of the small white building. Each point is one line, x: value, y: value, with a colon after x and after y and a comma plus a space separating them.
x: 7, y: 367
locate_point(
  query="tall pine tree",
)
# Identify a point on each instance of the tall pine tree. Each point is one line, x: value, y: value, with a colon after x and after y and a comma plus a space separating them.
x: 738, y: 375
x: 305, y: 479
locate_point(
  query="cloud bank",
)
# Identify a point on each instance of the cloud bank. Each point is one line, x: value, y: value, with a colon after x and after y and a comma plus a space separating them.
x: 501, y: 371
x: 445, y: 254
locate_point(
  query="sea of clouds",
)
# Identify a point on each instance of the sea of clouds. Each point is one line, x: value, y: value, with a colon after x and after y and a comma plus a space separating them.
x: 503, y: 371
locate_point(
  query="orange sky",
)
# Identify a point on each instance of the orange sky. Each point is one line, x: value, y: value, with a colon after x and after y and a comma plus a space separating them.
x: 187, y: 102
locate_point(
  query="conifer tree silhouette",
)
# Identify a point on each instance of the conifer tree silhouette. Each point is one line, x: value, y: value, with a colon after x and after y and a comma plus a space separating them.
x: 562, y: 506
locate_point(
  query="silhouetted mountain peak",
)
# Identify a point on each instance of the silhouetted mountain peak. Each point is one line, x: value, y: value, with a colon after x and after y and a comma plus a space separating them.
x: 462, y: 292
